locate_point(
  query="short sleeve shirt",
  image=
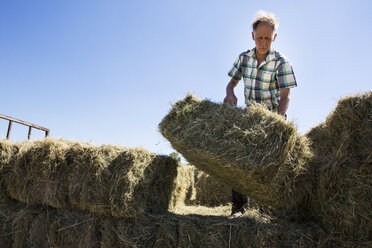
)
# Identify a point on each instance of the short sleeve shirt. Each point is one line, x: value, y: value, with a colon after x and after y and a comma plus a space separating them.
x: 262, y: 83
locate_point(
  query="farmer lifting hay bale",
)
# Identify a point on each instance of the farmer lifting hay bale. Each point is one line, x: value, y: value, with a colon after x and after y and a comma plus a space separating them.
x: 342, y: 145
x: 253, y: 150
x: 108, y: 180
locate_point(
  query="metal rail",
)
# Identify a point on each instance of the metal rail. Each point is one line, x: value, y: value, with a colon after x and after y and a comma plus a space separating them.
x: 30, y: 126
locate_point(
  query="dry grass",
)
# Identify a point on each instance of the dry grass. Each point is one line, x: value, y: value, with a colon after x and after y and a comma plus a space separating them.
x: 342, y: 197
x: 253, y: 150
x: 108, y: 180
x: 183, y: 187
x: 210, y: 191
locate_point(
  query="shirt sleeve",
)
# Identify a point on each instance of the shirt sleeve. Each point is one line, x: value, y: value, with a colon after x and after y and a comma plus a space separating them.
x: 285, y: 76
x: 236, y: 72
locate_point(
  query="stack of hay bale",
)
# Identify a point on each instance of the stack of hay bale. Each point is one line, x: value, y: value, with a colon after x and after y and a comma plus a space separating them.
x: 57, y: 193
x: 341, y: 200
x: 107, y: 180
x: 258, y: 153
x: 61, y: 176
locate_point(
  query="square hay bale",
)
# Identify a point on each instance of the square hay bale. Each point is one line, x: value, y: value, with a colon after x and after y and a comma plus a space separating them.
x: 65, y: 228
x: 7, y: 150
x: 6, y: 230
x: 210, y: 191
x: 38, y: 226
x: 253, y: 150
x: 342, y: 145
x: 107, y: 180
x: 183, y: 186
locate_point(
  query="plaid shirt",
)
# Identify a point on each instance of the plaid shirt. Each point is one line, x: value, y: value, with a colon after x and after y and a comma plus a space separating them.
x: 262, y: 83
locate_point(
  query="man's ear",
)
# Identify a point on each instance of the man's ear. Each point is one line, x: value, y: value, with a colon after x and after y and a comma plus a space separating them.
x: 274, y: 37
x: 253, y: 35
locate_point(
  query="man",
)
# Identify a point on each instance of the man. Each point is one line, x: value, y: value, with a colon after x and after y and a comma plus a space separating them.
x: 267, y: 75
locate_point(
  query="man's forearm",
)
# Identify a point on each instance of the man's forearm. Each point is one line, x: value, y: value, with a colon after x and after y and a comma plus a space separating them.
x: 230, y: 96
x: 283, y: 106
x: 231, y: 86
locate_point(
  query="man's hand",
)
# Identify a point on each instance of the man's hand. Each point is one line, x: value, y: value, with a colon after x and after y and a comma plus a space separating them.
x: 230, y: 96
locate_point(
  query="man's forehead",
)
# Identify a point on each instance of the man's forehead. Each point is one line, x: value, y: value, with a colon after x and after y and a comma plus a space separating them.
x: 264, y: 31
x: 264, y: 34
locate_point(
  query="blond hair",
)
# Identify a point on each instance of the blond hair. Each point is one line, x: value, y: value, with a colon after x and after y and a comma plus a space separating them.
x: 266, y: 17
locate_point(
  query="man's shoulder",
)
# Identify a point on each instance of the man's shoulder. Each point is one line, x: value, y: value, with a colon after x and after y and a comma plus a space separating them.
x: 280, y: 57
x: 247, y: 53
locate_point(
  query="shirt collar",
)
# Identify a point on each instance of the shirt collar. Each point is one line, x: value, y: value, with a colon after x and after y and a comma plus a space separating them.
x: 270, y: 56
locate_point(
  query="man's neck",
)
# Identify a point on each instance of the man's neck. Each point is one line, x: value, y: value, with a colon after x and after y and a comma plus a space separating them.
x: 260, y: 58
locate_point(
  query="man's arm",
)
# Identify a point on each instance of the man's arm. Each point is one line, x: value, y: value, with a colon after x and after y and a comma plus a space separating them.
x: 284, y: 100
x: 230, y: 96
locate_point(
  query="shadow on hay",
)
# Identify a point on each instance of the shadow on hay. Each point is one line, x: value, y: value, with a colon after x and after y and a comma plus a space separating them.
x: 162, y: 184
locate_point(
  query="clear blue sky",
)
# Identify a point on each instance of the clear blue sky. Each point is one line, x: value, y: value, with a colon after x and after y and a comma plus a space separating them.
x: 107, y: 71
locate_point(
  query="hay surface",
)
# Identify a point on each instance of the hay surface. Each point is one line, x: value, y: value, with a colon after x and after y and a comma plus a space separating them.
x: 108, y: 180
x: 254, y: 151
x: 342, y: 197
x: 222, y: 210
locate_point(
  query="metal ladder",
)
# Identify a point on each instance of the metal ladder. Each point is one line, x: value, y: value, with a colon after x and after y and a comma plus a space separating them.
x: 30, y: 126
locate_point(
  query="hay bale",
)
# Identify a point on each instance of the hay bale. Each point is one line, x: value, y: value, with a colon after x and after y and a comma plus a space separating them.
x: 253, y: 150
x: 107, y: 180
x: 342, y: 145
x: 38, y: 226
x: 183, y: 186
x: 7, y: 149
x: 6, y: 231
x: 64, y: 228
x: 211, y: 192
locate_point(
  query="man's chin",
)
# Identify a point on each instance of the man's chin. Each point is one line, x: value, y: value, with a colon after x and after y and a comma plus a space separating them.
x: 263, y: 51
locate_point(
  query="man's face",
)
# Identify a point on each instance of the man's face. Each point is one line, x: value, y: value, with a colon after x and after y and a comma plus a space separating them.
x: 263, y: 37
